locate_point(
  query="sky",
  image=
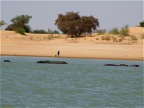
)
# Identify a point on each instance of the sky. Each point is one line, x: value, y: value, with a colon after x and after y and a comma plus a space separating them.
x: 44, y: 13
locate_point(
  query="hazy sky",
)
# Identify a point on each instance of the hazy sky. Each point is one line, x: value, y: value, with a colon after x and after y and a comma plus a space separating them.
x: 44, y: 13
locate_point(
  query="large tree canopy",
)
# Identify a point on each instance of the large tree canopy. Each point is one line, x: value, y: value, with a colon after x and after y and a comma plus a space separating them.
x: 20, y: 22
x: 72, y: 23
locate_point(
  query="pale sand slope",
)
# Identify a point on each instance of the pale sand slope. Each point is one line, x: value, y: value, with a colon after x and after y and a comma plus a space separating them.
x: 89, y: 47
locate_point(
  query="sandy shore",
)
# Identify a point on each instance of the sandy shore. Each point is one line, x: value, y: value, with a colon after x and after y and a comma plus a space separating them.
x: 13, y: 44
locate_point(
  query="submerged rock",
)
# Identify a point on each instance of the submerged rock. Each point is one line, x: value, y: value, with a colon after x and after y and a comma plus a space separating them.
x: 52, y: 62
x: 7, y: 61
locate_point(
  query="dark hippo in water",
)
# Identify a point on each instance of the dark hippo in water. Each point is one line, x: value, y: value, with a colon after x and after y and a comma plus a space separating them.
x: 7, y: 61
x: 122, y: 65
x: 115, y: 65
x: 52, y: 62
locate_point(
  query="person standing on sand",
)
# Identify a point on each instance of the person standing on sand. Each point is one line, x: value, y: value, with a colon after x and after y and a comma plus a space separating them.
x: 58, y: 53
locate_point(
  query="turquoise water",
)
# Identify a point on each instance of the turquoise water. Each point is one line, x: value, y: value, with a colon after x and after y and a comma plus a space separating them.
x: 82, y: 83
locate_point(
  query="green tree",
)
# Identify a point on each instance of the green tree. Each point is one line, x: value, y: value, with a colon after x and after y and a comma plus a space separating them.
x: 50, y: 31
x: 72, y: 23
x: 56, y: 32
x: 40, y: 31
x: 20, y: 21
x: 2, y: 23
x: 142, y: 24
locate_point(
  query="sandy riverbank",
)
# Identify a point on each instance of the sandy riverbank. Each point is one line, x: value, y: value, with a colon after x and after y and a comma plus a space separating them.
x: 44, y: 45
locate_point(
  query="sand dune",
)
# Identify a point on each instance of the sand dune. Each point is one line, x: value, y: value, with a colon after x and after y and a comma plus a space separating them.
x: 137, y: 31
x: 85, y: 47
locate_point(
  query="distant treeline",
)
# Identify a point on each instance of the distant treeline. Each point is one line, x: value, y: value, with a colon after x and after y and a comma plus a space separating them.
x: 41, y: 31
x: 70, y: 23
x: 20, y: 25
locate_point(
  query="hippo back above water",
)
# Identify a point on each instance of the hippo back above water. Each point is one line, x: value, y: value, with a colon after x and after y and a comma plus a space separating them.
x: 52, y: 62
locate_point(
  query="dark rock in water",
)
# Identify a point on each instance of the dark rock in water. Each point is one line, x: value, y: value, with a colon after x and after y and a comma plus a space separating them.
x: 52, y: 62
x: 134, y: 65
x: 7, y: 61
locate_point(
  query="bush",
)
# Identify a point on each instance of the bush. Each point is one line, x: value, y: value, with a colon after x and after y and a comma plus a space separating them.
x: 103, y: 38
x: 56, y: 32
x: 121, y: 39
x: 20, y: 31
x: 39, y: 32
x: 142, y: 24
x: 2, y: 23
x: 124, y: 31
x: 142, y: 35
x: 101, y: 32
x: 114, y: 39
x: 107, y: 37
x: 114, y: 31
x: 133, y: 38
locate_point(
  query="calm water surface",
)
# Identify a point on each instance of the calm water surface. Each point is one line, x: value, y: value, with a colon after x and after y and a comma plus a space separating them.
x: 83, y: 83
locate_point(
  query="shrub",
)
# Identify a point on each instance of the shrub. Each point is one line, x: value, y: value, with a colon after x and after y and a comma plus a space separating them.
x: 103, y: 38
x: 101, y: 32
x: 97, y: 38
x: 58, y: 36
x: 107, y: 37
x: 20, y: 31
x: 2, y: 23
x: 114, y: 39
x: 142, y: 24
x: 50, y: 37
x: 39, y: 31
x: 133, y: 38
x: 142, y: 35
x: 124, y: 31
x: 56, y: 32
x: 114, y: 31
x: 121, y: 39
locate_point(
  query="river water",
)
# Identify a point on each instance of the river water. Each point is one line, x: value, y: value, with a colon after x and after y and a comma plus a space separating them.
x: 82, y: 83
